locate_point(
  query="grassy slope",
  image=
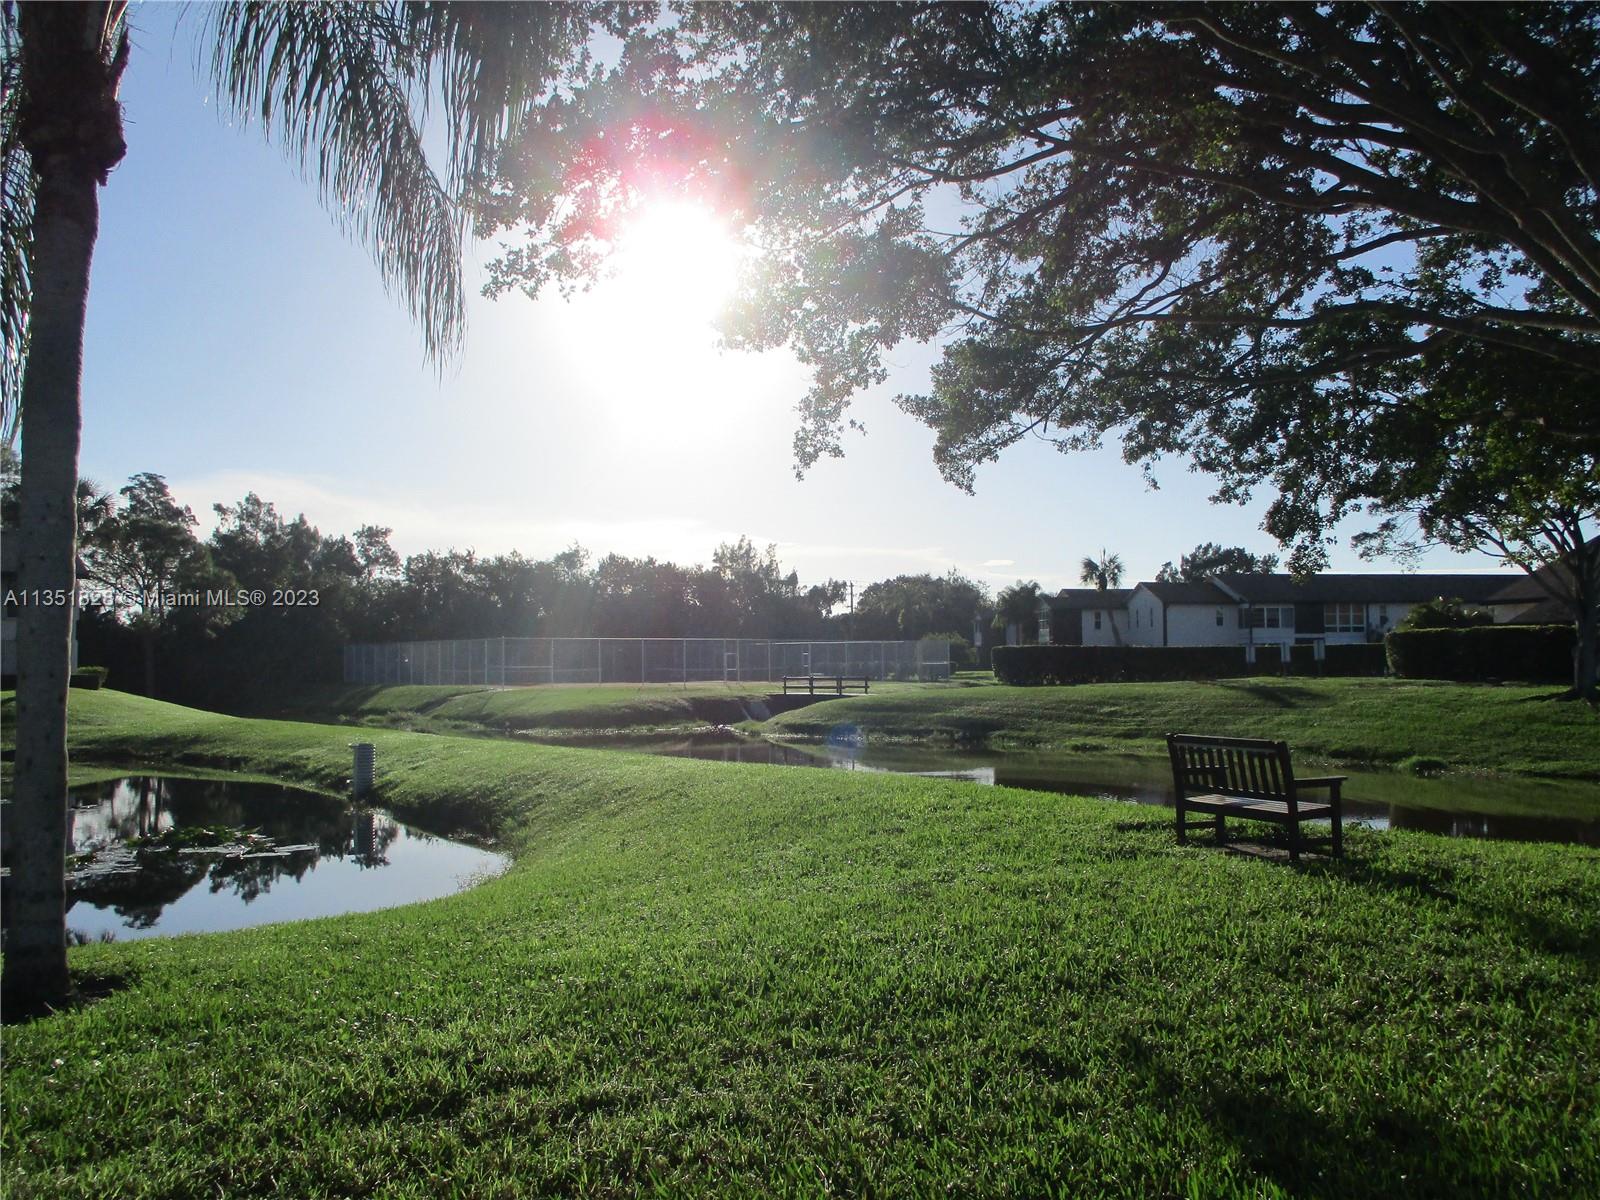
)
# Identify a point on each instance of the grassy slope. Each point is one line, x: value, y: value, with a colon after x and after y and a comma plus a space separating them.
x: 565, y: 707
x: 1517, y: 729
x: 704, y: 977
x: 562, y: 709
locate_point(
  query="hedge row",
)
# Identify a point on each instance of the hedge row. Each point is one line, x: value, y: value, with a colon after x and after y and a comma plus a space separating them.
x: 88, y: 677
x: 1534, y: 653
x: 1356, y: 658
x: 1035, y: 665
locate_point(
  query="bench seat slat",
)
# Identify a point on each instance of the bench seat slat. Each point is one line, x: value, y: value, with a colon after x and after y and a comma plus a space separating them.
x: 1248, y: 806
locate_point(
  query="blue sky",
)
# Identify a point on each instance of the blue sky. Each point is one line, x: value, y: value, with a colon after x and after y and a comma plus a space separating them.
x: 236, y: 341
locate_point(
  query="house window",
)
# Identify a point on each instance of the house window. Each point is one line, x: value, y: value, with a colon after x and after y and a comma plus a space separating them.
x: 1344, y: 618
x: 1272, y: 617
x: 1219, y: 618
x: 1097, y: 620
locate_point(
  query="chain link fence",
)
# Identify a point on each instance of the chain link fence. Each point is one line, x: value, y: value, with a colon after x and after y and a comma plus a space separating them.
x: 638, y: 660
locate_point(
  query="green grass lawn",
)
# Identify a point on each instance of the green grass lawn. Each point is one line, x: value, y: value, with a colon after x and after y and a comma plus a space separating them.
x: 1379, y: 721
x: 702, y: 978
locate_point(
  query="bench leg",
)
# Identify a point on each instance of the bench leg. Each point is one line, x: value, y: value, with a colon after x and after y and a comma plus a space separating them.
x: 1222, y: 832
x: 1183, y: 834
x: 1338, y: 834
x: 1294, y: 841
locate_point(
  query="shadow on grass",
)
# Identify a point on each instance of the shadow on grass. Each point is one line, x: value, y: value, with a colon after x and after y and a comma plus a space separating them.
x: 87, y: 988
x: 1563, y: 696
x: 1366, y: 1147
x: 1284, y: 695
x: 1575, y: 938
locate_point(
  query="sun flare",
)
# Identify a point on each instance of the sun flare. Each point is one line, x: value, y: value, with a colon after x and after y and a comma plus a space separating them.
x: 676, y: 263
x: 645, y: 336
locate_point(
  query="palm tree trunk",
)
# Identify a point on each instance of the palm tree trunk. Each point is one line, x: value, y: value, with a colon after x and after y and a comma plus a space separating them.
x: 64, y: 231
x: 73, y: 129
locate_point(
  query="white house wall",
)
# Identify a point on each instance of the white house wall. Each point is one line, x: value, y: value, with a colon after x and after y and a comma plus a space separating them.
x: 1140, y: 624
x: 1113, y: 629
x: 1196, y: 625
x: 1144, y: 620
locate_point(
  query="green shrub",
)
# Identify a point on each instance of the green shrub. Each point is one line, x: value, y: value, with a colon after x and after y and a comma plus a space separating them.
x: 962, y: 656
x: 1529, y: 653
x: 1446, y: 614
x: 1035, y: 665
x: 93, y: 678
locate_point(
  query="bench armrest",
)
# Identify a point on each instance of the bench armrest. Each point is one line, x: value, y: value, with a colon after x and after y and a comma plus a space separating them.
x: 1321, y: 781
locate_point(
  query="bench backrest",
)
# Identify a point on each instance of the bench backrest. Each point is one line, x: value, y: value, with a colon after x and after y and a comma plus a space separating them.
x: 1250, y: 767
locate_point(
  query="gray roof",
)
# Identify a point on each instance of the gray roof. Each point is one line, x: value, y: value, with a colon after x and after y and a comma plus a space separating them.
x: 1523, y: 589
x: 1364, y: 589
x: 1556, y: 577
x: 1083, y: 598
x: 1544, y: 612
x: 1202, y: 592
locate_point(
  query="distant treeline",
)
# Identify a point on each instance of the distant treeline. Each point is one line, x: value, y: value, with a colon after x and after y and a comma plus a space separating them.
x: 265, y: 603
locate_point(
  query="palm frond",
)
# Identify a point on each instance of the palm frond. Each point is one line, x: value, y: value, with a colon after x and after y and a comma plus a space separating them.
x: 489, y: 65
x: 347, y: 89
x: 16, y: 229
x: 329, y: 82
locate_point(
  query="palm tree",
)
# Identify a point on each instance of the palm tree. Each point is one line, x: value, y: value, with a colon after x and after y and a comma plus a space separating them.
x: 1104, y: 574
x: 1019, y: 605
x: 345, y: 88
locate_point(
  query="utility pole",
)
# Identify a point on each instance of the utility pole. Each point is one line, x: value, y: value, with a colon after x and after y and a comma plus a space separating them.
x: 850, y: 621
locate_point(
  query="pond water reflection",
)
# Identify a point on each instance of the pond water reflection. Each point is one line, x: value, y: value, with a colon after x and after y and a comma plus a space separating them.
x: 1458, y: 806
x: 158, y: 855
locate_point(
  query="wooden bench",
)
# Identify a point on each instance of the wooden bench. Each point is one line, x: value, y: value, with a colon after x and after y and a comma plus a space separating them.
x: 1250, y: 778
x: 837, y: 684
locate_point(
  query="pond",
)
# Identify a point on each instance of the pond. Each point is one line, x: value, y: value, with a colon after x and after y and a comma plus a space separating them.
x: 158, y: 855
x: 1456, y: 806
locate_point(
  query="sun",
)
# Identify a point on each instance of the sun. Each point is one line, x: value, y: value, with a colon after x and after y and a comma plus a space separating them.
x: 644, y: 339
x: 676, y: 263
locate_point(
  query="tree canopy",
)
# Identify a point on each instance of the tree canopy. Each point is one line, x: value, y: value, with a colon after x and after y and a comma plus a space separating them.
x: 1209, y: 558
x: 1259, y: 237
x: 1226, y: 232
x: 918, y: 606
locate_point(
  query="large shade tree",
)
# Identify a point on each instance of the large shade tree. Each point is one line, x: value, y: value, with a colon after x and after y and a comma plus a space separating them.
x: 1230, y: 233
x: 346, y: 88
x: 142, y: 554
x: 1211, y: 558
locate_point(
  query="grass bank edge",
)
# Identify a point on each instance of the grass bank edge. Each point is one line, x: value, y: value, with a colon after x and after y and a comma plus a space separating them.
x: 1500, y: 729
x: 482, y: 788
x: 1382, y: 723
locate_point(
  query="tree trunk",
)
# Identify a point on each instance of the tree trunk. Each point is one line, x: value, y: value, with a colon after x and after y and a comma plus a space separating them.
x: 1588, y: 662
x: 1586, y: 599
x: 147, y: 640
x: 72, y: 127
